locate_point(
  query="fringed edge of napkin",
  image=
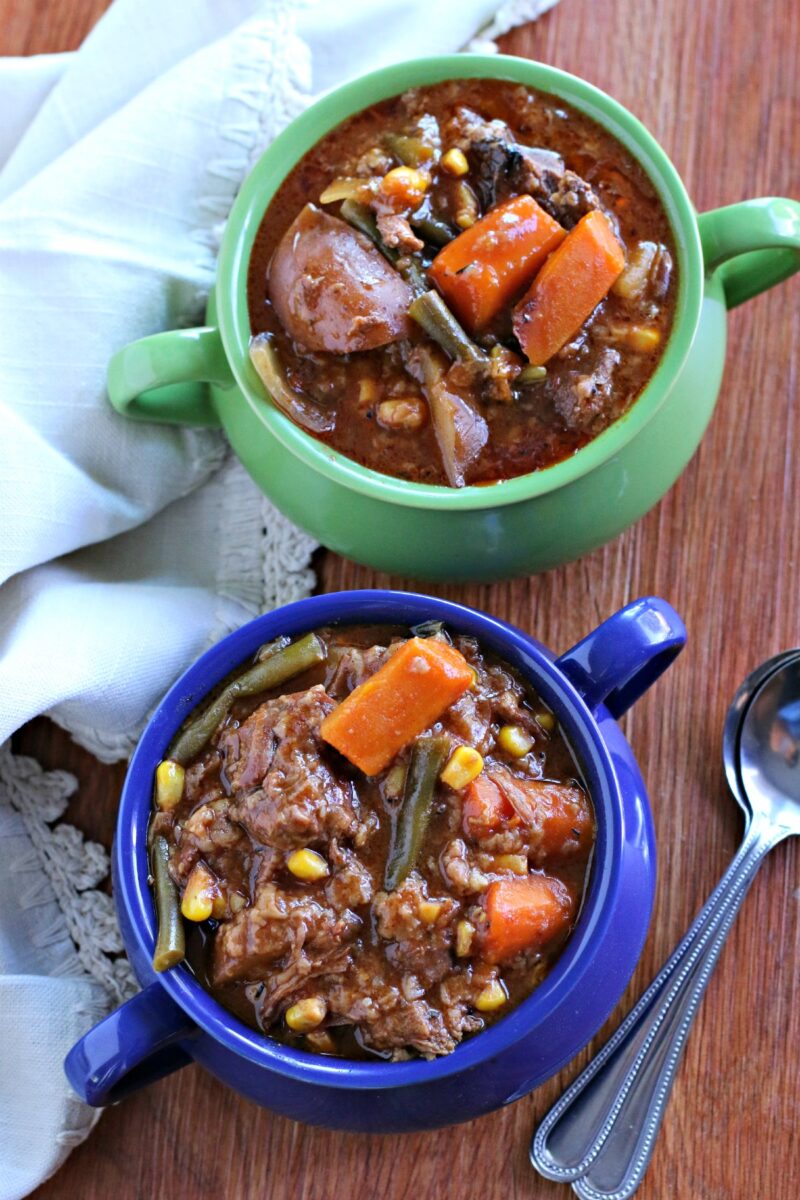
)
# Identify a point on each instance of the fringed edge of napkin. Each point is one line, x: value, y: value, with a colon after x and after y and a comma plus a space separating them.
x: 507, y: 17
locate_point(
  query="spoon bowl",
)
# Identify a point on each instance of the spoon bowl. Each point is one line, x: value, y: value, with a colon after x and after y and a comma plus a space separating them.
x: 769, y: 749
x: 734, y: 719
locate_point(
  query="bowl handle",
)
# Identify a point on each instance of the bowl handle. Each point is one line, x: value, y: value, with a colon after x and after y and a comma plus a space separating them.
x: 135, y: 1045
x: 755, y: 245
x: 617, y: 662
x: 164, y: 377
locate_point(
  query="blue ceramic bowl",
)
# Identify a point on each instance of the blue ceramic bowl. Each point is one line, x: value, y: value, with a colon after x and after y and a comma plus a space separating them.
x: 173, y: 1021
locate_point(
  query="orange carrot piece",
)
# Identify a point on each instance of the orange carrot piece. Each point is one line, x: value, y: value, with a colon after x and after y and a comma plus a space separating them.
x: 560, y: 812
x: 485, y: 808
x: 486, y: 266
x: 568, y: 288
x: 407, y: 694
x: 524, y: 913
x: 568, y: 827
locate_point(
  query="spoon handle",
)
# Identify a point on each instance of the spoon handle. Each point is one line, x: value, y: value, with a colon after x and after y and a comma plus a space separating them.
x: 616, y: 1104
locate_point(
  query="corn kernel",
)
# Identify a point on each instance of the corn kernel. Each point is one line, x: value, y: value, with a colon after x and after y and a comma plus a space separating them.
x: 169, y: 784
x: 306, y: 1014
x: 197, y: 903
x: 307, y: 865
x: 514, y: 740
x: 409, y: 413
x: 643, y: 338
x: 493, y: 996
x: 465, y: 219
x: 321, y: 1041
x: 429, y: 910
x: 546, y: 721
x: 465, y: 932
x: 237, y: 902
x: 394, y: 781
x: 517, y: 863
x: 464, y: 765
x: 455, y: 162
x: 368, y: 392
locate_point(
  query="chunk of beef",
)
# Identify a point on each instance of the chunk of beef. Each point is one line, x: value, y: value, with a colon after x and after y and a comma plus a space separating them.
x: 304, y: 973
x: 461, y: 871
x: 494, y: 155
x: 353, y: 664
x: 458, y: 994
x: 413, y: 1024
x: 201, y: 781
x: 285, y: 791
x: 513, y: 839
x: 467, y: 129
x: 567, y: 198
x: 398, y: 234
x: 470, y: 720
x: 386, y: 1019
x: 374, y: 161
x: 508, y: 700
x: 351, y: 884
x: 209, y: 833
x: 502, y: 167
x: 581, y: 399
x: 306, y: 934
x: 417, y: 947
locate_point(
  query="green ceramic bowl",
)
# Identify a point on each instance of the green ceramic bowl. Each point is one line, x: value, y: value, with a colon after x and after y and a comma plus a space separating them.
x: 528, y: 524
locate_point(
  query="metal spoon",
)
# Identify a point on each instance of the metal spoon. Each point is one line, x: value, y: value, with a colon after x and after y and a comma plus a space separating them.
x: 601, y: 1133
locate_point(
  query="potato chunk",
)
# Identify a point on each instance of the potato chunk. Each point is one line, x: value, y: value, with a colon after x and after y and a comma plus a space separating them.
x: 332, y: 290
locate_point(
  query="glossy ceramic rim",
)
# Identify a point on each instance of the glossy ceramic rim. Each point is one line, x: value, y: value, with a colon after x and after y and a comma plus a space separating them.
x: 328, y: 112
x: 376, y: 605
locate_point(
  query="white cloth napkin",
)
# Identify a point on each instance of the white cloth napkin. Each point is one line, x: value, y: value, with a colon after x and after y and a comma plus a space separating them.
x: 126, y: 549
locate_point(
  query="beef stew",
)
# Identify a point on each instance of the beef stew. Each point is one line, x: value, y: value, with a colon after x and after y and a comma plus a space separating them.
x: 371, y: 841
x: 461, y: 284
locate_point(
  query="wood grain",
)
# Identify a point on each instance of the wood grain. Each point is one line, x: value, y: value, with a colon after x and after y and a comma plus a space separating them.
x: 719, y: 88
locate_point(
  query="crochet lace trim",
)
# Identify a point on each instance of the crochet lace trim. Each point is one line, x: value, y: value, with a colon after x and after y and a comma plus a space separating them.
x: 73, y: 867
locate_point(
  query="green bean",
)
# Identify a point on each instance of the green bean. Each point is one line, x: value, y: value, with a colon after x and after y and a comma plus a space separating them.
x: 433, y: 230
x: 428, y: 755
x: 427, y: 629
x: 362, y: 219
x: 433, y: 315
x: 413, y: 273
x: 410, y: 151
x: 531, y: 374
x: 170, y: 943
x: 271, y: 672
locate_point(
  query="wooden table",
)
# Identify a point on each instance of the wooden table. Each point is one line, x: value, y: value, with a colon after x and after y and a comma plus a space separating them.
x: 717, y: 84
